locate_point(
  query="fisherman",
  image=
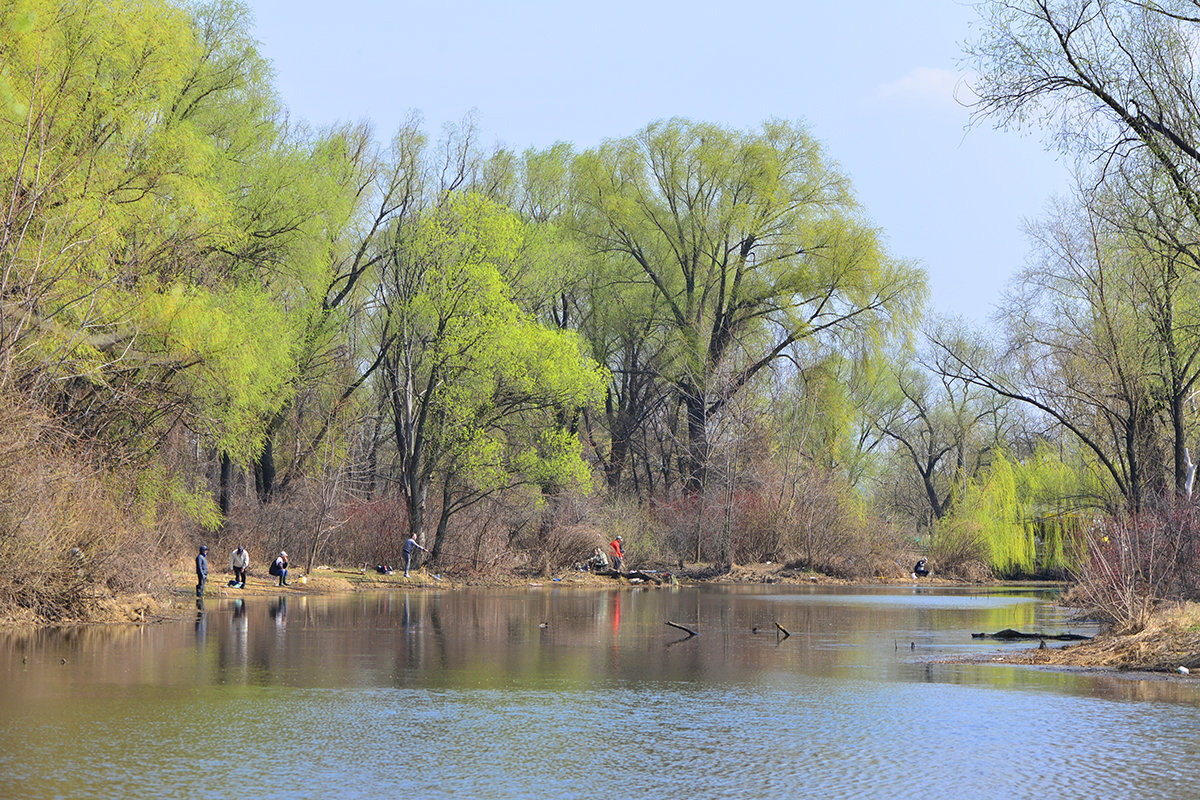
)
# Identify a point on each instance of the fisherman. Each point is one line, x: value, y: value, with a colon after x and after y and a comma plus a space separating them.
x: 201, y: 570
x: 921, y: 569
x: 279, y: 567
x: 239, y: 562
x: 410, y: 546
x: 598, y: 561
x: 618, y: 553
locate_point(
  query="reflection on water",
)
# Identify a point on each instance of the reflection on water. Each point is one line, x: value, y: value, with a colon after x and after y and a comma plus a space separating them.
x: 579, y: 694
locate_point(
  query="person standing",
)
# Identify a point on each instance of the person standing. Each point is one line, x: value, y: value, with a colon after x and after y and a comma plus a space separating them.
x: 410, y: 546
x: 201, y: 570
x: 239, y: 562
x: 618, y: 553
x: 279, y: 567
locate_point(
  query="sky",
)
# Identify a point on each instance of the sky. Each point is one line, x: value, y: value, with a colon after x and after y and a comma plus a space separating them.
x: 881, y: 84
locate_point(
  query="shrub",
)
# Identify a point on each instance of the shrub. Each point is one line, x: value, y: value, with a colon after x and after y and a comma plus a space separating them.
x: 68, y: 539
x: 1135, y: 561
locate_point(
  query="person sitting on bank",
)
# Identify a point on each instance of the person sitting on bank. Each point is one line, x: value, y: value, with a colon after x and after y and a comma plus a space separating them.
x: 239, y: 562
x: 279, y: 567
x: 598, y: 561
x: 921, y: 569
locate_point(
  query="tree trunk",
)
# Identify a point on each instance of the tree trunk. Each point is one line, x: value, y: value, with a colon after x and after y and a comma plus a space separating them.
x: 439, y: 539
x: 264, y: 473
x: 696, y: 464
x: 416, y: 492
x: 616, y: 460
x: 223, y: 491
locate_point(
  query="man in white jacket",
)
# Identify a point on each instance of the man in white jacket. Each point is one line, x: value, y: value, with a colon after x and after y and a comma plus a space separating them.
x: 239, y: 562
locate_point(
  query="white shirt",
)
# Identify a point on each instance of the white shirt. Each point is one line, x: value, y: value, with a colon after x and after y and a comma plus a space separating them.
x: 239, y: 560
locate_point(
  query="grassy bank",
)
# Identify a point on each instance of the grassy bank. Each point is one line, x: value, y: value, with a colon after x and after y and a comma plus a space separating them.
x: 1168, y: 641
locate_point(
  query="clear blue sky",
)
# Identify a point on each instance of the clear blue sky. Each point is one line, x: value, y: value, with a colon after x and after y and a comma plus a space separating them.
x: 875, y: 81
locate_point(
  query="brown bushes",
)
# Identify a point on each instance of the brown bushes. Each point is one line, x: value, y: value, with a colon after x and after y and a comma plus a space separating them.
x: 960, y: 552
x: 368, y: 532
x: 1136, y: 561
x: 814, y: 525
x: 68, y: 538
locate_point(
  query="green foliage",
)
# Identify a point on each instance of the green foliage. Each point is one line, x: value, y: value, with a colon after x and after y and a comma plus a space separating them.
x: 1026, y: 517
x: 241, y: 375
x: 477, y: 384
x: 171, y: 242
x: 745, y: 244
x: 160, y: 493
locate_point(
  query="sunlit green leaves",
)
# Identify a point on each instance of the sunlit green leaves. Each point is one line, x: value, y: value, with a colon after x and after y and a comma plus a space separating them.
x: 234, y: 373
x: 747, y: 243
x: 477, y: 384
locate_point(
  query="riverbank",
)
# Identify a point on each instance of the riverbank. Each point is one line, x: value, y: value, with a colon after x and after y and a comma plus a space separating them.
x: 327, y: 580
x: 1170, y: 640
x: 178, y: 586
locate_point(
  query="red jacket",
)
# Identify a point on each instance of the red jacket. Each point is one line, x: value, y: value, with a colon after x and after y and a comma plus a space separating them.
x: 616, y: 546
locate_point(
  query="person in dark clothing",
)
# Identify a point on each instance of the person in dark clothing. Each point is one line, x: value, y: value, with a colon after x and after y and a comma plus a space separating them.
x: 921, y: 569
x: 201, y: 570
x: 410, y: 547
x: 279, y: 568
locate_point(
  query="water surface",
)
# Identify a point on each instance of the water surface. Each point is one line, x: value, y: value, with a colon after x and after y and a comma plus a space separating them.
x: 568, y: 693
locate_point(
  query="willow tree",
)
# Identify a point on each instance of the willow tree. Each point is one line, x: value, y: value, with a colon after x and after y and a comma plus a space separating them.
x: 1022, y: 516
x: 751, y: 242
x: 127, y: 306
x: 475, y: 385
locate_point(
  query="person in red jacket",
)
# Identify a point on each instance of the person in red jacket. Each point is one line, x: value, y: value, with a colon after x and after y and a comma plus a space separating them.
x: 619, y: 559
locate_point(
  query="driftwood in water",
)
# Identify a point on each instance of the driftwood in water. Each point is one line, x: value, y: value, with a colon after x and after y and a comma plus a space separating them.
x: 683, y: 628
x: 1008, y: 635
x: 786, y: 633
x: 633, y: 573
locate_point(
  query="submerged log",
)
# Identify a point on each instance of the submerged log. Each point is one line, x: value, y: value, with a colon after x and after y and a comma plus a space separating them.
x: 1008, y: 634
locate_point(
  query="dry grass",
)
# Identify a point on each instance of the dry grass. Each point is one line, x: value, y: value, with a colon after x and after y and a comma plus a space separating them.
x: 325, y: 583
x: 1169, y: 639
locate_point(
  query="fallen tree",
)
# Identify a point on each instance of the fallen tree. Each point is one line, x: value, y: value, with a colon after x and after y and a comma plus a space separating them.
x: 1008, y: 634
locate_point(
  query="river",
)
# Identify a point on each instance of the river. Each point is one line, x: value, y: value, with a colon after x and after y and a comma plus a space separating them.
x: 563, y: 693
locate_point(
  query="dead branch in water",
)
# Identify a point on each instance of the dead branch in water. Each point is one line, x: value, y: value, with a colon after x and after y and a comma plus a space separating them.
x: 683, y: 628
